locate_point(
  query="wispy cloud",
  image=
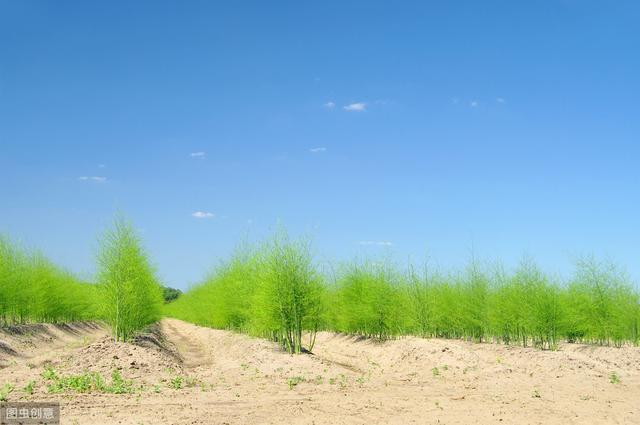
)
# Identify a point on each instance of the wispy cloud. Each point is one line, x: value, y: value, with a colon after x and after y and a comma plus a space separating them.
x: 473, y: 103
x: 102, y: 166
x: 198, y: 155
x: 500, y: 100
x: 97, y: 179
x: 330, y: 105
x: 355, y: 107
x: 203, y: 214
x: 317, y: 150
x: 376, y: 243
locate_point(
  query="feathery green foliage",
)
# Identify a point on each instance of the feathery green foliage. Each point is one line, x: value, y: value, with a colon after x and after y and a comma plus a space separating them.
x: 224, y: 299
x: 526, y: 308
x: 602, y: 306
x: 369, y: 300
x: 273, y: 290
x: 130, y: 294
x: 287, y: 300
x: 32, y: 289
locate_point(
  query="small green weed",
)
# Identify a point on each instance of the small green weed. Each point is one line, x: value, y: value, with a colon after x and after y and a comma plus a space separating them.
x: 49, y: 373
x: 292, y: 382
x: 119, y: 385
x: 28, y: 389
x: 176, y: 383
x: 85, y: 383
x: 5, y: 390
x: 614, y: 378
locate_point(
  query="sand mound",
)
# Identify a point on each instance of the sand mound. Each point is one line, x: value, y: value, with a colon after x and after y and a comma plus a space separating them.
x: 141, y: 363
x: 28, y: 341
x: 185, y: 374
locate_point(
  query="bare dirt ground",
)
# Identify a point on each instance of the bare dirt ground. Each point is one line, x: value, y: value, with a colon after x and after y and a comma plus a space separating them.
x: 185, y: 374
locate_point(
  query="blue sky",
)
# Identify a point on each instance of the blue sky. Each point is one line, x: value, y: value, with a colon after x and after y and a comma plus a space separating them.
x: 375, y: 128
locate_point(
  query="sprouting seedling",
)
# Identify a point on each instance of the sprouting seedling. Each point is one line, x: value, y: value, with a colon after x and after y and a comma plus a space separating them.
x: 49, y: 373
x: 5, y: 390
x: 176, y: 382
x: 614, y: 378
x: 28, y: 389
x: 294, y: 381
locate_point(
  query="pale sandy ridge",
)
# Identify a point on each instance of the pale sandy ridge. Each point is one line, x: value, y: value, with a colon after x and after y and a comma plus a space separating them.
x: 230, y: 378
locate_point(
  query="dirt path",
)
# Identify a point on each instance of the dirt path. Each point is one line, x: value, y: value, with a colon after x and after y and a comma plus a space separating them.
x: 192, y: 352
x: 220, y: 377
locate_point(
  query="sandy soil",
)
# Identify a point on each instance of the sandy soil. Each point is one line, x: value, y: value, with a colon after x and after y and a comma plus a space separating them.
x: 226, y: 378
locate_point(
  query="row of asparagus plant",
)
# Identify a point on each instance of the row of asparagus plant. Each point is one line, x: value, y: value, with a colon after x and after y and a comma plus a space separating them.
x: 276, y: 290
x: 127, y: 294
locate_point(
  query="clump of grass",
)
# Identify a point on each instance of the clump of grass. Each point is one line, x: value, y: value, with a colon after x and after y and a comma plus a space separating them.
x: 130, y: 293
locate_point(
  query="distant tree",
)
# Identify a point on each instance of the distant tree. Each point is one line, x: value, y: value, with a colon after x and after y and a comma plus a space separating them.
x: 170, y: 294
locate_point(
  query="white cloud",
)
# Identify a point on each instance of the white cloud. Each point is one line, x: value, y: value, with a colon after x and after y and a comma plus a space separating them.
x: 101, y: 166
x: 97, y: 179
x: 473, y: 103
x: 203, y: 214
x: 500, y: 100
x: 329, y: 105
x: 317, y: 150
x: 197, y: 154
x: 376, y: 243
x: 356, y: 107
